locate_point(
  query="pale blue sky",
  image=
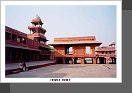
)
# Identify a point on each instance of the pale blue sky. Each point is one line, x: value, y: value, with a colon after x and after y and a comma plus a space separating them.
x: 66, y: 21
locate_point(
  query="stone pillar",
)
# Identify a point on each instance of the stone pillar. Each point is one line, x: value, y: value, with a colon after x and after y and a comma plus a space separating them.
x: 98, y: 60
x: 21, y: 55
x: 16, y: 59
x: 30, y: 55
x: 34, y: 56
x: 112, y: 60
x: 94, y: 60
x: 115, y: 60
x: 10, y: 55
x: 37, y: 56
x: 82, y: 60
x: 72, y: 60
x: 55, y: 60
x: 63, y: 60
x: 107, y: 60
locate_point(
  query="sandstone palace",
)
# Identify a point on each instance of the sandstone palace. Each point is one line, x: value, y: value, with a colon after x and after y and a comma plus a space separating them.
x: 68, y: 50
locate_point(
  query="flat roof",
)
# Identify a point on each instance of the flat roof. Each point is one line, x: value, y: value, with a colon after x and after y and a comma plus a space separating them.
x: 97, y: 43
x: 106, y: 49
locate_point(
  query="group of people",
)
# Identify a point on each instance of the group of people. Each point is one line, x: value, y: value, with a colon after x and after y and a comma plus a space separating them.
x: 23, y: 66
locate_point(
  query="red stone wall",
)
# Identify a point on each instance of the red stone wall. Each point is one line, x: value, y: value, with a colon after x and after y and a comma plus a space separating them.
x: 79, y: 50
x: 59, y: 51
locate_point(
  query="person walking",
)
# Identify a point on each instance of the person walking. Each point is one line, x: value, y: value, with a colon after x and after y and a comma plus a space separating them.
x: 21, y: 66
x: 25, y: 66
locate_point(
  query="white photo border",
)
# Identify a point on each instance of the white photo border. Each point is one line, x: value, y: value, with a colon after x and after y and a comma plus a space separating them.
x: 118, y: 78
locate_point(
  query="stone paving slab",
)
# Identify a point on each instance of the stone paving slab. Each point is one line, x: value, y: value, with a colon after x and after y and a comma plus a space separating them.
x: 70, y: 71
x: 16, y: 65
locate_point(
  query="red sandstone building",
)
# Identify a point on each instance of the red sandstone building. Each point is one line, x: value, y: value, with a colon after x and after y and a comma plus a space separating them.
x: 72, y: 50
x: 106, y: 54
x: 28, y: 47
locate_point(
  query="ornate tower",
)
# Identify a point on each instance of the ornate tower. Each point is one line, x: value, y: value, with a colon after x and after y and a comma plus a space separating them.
x: 37, y: 32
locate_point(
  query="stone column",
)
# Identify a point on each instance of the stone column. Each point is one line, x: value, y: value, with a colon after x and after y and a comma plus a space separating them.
x: 72, y: 60
x: 16, y: 58
x: 63, y: 60
x: 107, y: 60
x: 10, y: 54
x: 112, y: 60
x: 98, y: 60
x: 55, y: 60
x: 37, y: 56
x: 34, y: 55
x: 21, y: 55
x: 115, y: 60
x: 30, y: 55
x: 82, y: 60
x: 94, y: 60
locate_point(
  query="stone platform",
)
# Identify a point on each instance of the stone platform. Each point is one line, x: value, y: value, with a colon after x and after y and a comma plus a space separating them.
x: 13, y: 68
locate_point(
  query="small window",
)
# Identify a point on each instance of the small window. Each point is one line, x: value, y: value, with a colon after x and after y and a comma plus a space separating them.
x: 88, y: 50
x: 102, y: 52
x: 14, y: 37
x: 106, y: 52
x: 70, y: 50
x: 110, y: 52
x: 8, y: 36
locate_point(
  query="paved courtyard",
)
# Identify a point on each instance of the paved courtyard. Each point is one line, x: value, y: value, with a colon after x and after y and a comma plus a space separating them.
x: 16, y: 65
x: 70, y: 71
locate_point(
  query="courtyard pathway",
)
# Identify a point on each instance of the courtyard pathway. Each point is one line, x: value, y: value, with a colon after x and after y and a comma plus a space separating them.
x: 70, y: 71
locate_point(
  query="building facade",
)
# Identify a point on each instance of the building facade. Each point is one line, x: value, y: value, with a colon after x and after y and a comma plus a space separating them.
x: 28, y: 47
x: 72, y: 50
x: 106, y: 54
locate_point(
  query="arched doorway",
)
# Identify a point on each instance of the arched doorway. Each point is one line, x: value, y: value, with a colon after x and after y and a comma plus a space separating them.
x: 102, y: 60
x: 77, y: 61
x: 88, y: 61
x: 60, y: 61
x: 68, y: 61
x: 113, y: 60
